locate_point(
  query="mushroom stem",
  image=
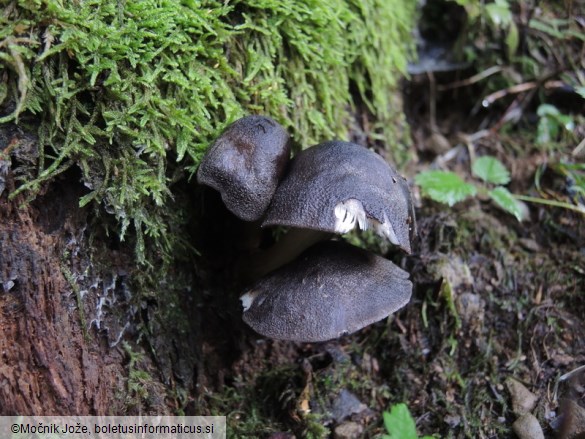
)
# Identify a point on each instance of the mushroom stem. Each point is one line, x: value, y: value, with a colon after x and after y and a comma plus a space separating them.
x: 250, y: 236
x: 288, y: 247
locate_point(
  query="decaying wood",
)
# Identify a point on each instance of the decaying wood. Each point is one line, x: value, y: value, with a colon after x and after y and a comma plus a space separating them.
x: 46, y: 364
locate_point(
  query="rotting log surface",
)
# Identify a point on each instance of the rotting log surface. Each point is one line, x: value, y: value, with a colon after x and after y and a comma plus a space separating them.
x: 128, y: 350
x: 47, y: 367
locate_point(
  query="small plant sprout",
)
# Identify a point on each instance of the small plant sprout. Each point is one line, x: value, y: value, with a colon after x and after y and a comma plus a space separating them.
x: 447, y: 187
x: 552, y: 124
x: 400, y: 424
x: 501, y: 18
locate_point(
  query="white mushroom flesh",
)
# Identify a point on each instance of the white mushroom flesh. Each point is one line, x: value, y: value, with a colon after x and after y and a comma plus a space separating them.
x: 385, y: 229
x: 351, y: 212
x: 247, y: 299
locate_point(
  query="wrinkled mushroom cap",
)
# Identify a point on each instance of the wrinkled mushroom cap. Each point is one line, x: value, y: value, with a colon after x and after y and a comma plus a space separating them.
x: 336, y: 186
x: 245, y: 165
x: 332, y: 289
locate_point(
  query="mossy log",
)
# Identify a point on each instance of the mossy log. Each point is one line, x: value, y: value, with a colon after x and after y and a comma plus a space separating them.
x: 106, y: 108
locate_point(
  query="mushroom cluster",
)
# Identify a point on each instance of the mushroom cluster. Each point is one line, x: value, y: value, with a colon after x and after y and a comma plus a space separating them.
x: 319, y: 290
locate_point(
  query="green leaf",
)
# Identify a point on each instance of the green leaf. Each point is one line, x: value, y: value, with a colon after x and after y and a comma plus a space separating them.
x: 490, y: 170
x: 399, y: 423
x: 499, y: 13
x: 546, y: 130
x: 444, y: 187
x: 547, y: 110
x: 546, y: 28
x: 551, y: 123
x: 503, y: 198
x: 512, y: 39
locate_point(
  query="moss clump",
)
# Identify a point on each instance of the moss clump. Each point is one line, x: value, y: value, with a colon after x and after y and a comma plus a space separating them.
x: 132, y: 92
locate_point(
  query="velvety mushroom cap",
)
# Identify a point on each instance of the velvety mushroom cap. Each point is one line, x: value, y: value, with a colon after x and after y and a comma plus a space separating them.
x: 336, y: 186
x: 330, y: 290
x: 245, y: 165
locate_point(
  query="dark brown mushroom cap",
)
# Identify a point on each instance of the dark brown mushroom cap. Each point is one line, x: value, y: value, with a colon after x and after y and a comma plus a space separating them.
x: 336, y: 186
x: 332, y: 289
x: 245, y: 165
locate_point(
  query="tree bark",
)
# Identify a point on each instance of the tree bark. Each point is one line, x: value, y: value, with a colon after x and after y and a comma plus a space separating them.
x: 47, y: 364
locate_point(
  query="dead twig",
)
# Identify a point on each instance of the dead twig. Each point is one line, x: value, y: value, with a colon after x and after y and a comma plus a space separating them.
x: 579, y: 148
x: 519, y: 88
x: 471, y: 80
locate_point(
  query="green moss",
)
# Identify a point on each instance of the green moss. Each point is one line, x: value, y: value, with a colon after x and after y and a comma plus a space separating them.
x: 137, y: 378
x: 253, y: 405
x: 133, y: 92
